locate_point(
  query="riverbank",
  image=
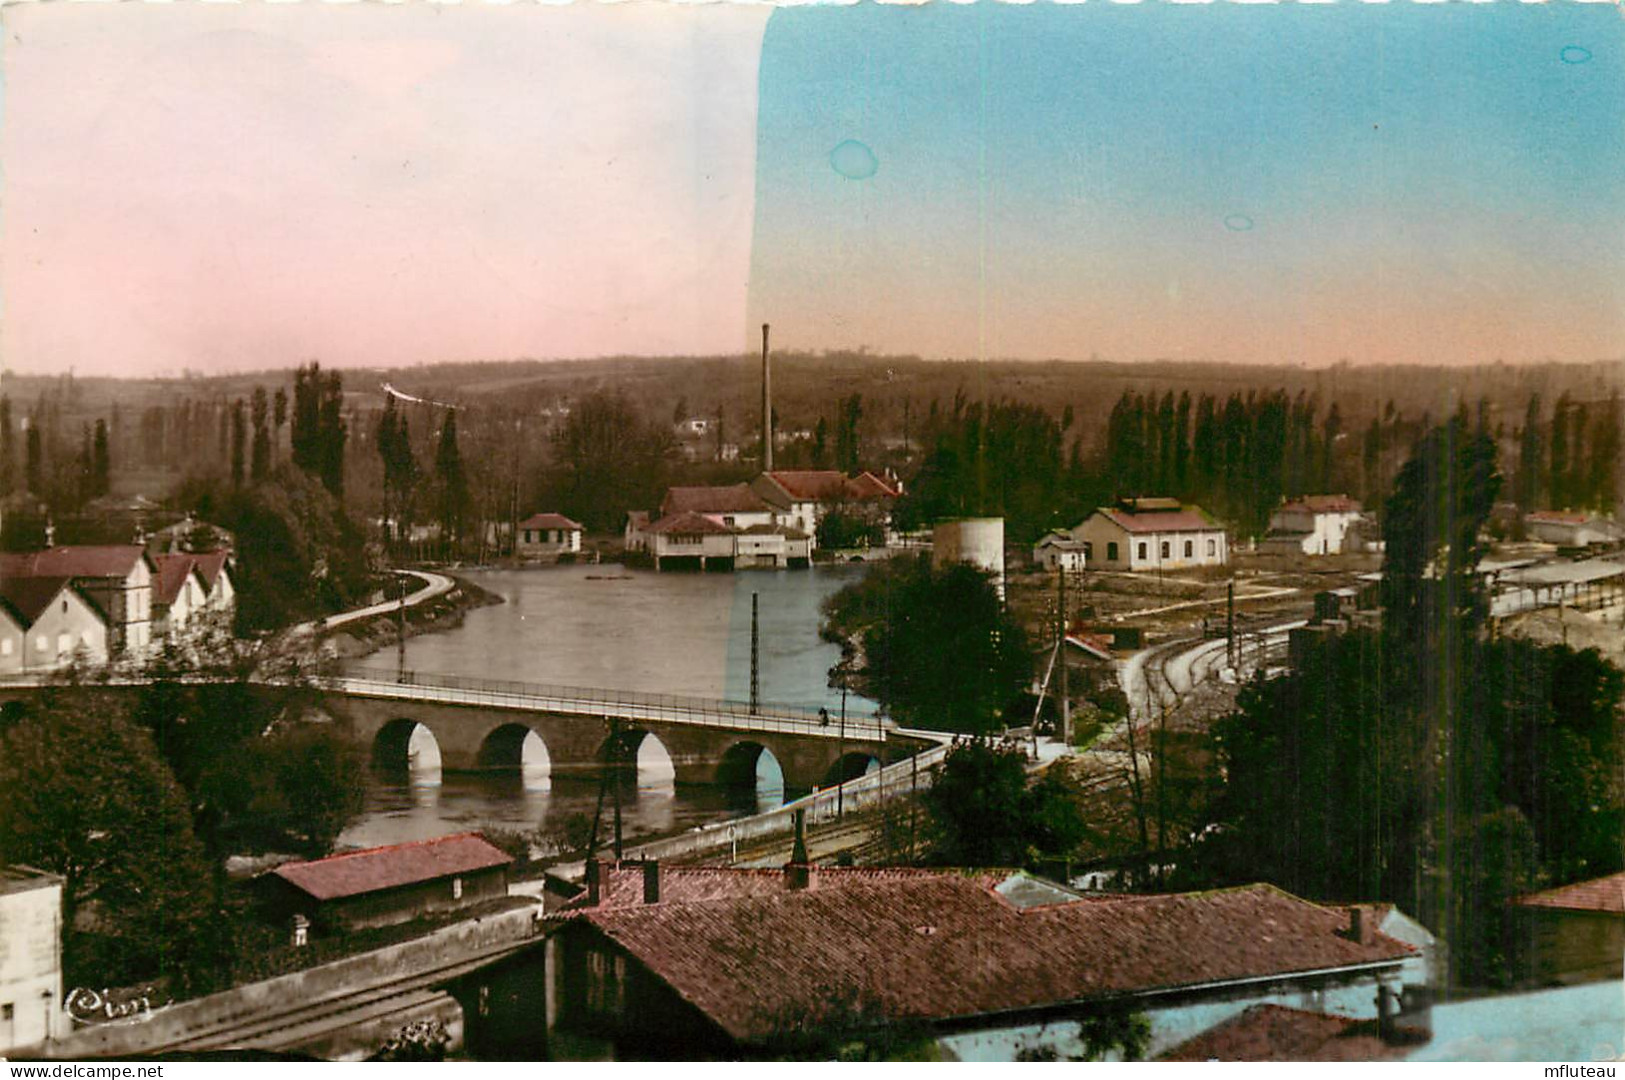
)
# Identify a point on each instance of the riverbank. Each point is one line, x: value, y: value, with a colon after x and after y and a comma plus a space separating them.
x: 439, y: 613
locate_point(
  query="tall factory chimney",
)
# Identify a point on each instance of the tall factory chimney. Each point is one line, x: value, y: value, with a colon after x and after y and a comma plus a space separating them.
x: 767, y: 407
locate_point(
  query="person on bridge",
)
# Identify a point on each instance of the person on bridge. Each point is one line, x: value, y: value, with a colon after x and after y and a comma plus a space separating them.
x: 823, y: 717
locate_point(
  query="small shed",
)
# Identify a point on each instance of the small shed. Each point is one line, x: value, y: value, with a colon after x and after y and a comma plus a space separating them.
x: 385, y: 885
x: 1059, y: 551
x: 543, y: 536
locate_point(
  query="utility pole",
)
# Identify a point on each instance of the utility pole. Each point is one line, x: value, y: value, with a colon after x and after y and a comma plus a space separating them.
x: 400, y: 630
x: 1230, y: 622
x: 615, y: 769
x: 1060, y: 655
x: 755, y: 658
x: 767, y: 408
x: 840, y: 775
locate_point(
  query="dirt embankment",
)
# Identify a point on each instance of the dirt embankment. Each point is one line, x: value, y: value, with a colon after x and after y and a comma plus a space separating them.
x: 444, y: 612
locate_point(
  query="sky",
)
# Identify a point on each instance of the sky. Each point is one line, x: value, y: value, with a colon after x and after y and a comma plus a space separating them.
x: 228, y: 187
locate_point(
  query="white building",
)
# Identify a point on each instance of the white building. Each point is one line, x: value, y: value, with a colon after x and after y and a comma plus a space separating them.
x: 117, y: 578
x: 1570, y: 529
x: 1152, y: 535
x: 1312, y: 525
x: 1059, y: 551
x: 192, y: 595
x: 49, y: 623
x: 543, y: 536
x: 734, y: 505
x: 802, y: 496
x: 30, y: 958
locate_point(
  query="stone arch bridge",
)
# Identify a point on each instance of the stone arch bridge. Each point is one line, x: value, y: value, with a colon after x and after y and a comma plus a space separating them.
x: 487, y: 725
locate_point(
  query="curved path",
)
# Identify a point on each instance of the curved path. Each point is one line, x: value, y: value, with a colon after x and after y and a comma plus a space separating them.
x: 433, y: 585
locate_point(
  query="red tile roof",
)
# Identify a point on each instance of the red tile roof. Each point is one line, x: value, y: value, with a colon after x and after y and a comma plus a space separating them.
x: 375, y: 869
x: 688, y: 522
x: 98, y: 561
x: 1604, y: 894
x: 1324, y: 504
x: 1190, y: 519
x: 622, y: 886
x: 829, y: 485
x: 173, y: 570
x: 550, y: 521
x: 28, y: 597
x: 210, y: 564
x: 954, y: 948
x: 1277, y: 1033
x: 733, y: 499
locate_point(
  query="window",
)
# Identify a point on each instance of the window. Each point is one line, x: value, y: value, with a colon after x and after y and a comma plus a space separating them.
x: 605, y: 977
x: 1089, y: 551
x: 1164, y: 549
x: 64, y: 607
x: 64, y: 643
x: 5, y: 647
x: 1111, y: 551
x: 1212, y: 547
x: 1190, y: 548
x: 1142, y: 549
x: 456, y: 888
x: 527, y: 536
x: 728, y: 519
x: 7, y: 1011
x: 42, y: 644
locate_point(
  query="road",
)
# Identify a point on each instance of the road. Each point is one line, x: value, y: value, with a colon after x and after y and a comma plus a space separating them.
x: 433, y: 585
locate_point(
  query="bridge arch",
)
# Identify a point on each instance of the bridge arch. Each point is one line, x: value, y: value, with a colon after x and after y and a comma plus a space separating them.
x: 405, y: 745
x: 516, y: 748
x: 749, y: 764
x: 642, y: 753
x: 853, y: 765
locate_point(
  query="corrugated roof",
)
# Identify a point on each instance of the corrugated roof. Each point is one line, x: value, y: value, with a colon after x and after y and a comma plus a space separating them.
x: 1604, y: 894
x: 953, y: 948
x: 1279, y: 1033
x: 375, y: 869
x: 550, y: 521
x: 732, y: 499
x: 689, y: 522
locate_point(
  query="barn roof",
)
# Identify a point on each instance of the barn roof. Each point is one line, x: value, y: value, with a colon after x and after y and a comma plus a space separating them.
x: 689, y: 522
x: 1604, y: 894
x: 955, y: 948
x: 1190, y: 519
x: 77, y: 561
x: 729, y: 499
x: 550, y: 521
x: 374, y: 869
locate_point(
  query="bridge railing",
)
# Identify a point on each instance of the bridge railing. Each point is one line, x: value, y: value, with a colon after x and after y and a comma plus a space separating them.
x: 677, y: 708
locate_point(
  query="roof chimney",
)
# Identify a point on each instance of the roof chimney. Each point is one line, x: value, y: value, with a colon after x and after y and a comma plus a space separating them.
x: 595, y: 874
x: 1362, y: 927
x: 651, y: 881
x: 767, y: 407
x: 798, y: 872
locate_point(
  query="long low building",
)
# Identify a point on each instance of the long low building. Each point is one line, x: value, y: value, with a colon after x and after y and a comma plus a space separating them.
x: 1152, y: 534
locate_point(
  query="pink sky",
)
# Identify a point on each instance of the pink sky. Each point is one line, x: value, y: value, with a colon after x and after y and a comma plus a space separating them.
x: 225, y: 187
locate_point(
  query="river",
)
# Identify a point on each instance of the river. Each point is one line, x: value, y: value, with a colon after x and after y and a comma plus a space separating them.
x: 603, y: 626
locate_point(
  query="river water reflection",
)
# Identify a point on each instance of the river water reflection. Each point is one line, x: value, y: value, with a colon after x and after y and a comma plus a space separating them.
x: 606, y: 627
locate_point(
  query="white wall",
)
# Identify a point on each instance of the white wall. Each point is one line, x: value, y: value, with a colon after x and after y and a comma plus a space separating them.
x: 31, y: 964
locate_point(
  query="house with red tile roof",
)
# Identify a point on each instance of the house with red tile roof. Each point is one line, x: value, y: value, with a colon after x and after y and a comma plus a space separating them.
x: 116, y: 578
x: 547, y: 536
x: 384, y: 885
x: 1312, y: 525
x: 725, y: 966
x: 1575, y: 933
x: 804, y: 496
x: 1152, y: 535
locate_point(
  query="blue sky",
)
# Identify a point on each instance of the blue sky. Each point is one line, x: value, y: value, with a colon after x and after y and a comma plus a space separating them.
x: 1275, y: 182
